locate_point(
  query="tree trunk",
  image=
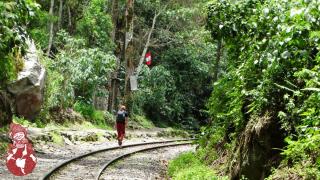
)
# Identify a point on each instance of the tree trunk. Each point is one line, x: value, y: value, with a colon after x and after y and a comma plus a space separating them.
x: 115, y: 17
x: 60, y: 14
x: 69, y: 20
x: 129, y: 50
x: 50, y: 27
x: 117, y: 36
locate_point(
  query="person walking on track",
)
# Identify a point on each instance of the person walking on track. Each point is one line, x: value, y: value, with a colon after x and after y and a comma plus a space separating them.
x: 121, y: 123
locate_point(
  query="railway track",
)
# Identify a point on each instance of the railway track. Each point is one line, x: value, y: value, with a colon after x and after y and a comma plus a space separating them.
x: 92, y: 165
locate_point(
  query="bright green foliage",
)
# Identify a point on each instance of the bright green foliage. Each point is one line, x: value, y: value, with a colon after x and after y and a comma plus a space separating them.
x: 171, y: 90
x: 196, y: 172
x: 56, y: 138
x: 154, y: 97
x: 4, y: 143
x: 212, y: 137
x: 24, y: 122
x: 89, y: 112
x: 38, y: 27
x: 21, y: 121
x: 298, y: 171
x: 85, y: 109
x: 142, y: 121
x: 77, y: 72
x: 98, y: 118
x: 272, y: 66
x: 188, y: 166
x: 177, y: 85
x: 96, y: 25
x: 296, y: 150
x: 81, y: 52
x: 14, y: 15
x: 226, y: 101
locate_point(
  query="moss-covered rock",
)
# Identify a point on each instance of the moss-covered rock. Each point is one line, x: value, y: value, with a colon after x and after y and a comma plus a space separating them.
x: 257, y: 148
x: 68, y: 115
x: 90, y: 137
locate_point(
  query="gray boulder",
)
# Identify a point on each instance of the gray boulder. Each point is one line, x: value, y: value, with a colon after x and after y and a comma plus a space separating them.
x: 27, y: 90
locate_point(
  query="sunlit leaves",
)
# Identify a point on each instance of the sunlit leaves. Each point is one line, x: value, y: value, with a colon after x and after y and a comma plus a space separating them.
x: 14, y: 16
x: 96, y: 25
x: 80, y: 71
x: 272, y: 62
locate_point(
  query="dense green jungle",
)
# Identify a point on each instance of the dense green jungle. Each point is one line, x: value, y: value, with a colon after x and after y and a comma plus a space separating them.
x: 243, y: 75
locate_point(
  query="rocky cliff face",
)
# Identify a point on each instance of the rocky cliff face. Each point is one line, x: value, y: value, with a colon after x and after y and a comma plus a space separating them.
x: 258, y: 148
x: 27, y: 90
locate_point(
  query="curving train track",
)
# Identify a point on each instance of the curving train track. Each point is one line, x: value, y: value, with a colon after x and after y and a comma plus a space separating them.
x: 93, y: 164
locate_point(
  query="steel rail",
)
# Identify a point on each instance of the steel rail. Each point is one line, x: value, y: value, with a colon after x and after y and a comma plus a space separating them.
x: 64, y: 163
x: 105, y: 166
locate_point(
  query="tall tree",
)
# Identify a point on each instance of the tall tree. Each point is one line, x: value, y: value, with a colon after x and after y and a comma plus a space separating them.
x: 117, y: 36
x: 69, y: 19
x: 129, y: 49
x: 51, y: 23
x: 60, y: 14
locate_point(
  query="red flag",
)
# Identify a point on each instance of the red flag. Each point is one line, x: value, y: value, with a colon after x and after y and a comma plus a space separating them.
x: 148, y: 58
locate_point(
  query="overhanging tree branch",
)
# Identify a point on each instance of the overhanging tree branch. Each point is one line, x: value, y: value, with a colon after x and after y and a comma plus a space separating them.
x: 147, y: 43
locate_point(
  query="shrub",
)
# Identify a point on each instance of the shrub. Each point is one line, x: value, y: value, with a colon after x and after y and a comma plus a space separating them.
x: 95, y: 116
x: 76, y: 73
x: 56, y: 138
x: 270, y: 50
x: 95, y: 25
x: 4, y: 141
x: 3, y: 147
x: 196, y: 172
x: 13, y: 18
x: 83, y: 108
x: 183, y: 161
x: 188, y: 166
x: 143, y: 121
x: 22, y: 121
x: 98, y: 118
